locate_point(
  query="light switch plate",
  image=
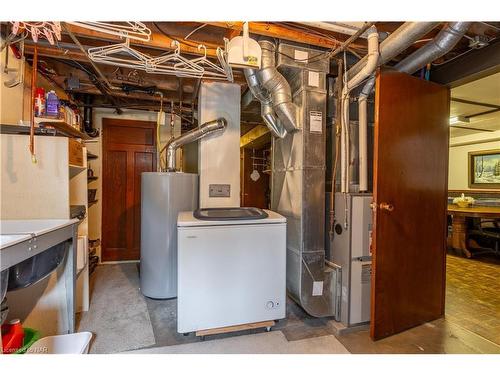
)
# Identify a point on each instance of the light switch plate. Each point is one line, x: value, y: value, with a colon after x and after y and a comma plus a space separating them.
x: 219, y: 190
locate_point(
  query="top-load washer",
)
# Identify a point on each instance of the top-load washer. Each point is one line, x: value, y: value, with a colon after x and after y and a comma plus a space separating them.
x: 231, y: 268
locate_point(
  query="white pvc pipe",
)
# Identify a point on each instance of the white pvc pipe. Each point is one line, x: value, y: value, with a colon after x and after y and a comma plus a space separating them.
x: 363, y: 144
x: 366, y: 71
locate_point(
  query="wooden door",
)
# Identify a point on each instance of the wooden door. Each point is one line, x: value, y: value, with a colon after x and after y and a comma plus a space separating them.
x: 410, y: 194
x: 253, y: 193
x: 129, y: 148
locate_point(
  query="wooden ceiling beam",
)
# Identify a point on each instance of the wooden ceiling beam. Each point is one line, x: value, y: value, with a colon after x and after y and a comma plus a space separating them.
x: 277, y: 31
x: 157, y: 41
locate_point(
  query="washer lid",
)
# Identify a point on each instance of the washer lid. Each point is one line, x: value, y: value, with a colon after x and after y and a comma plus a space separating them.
x: 188, y: 219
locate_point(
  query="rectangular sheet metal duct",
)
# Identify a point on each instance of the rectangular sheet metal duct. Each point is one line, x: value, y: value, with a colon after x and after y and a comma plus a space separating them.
x: 219, y: 154
x: 298, y: 184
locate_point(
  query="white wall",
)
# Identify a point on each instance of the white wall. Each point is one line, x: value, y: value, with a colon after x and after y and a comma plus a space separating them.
x: 458, y: 173
x: 95, y: 147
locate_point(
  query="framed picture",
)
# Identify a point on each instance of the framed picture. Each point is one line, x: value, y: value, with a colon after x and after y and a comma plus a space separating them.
x: 484, y: 169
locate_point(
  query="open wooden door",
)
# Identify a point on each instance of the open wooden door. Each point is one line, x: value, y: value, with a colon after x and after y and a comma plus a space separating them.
x: 410, y: 196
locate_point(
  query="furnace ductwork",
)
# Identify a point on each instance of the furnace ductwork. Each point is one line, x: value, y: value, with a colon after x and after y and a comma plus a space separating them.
x: 193, y: 135
x: 273, y: 91
x: 444, y: 41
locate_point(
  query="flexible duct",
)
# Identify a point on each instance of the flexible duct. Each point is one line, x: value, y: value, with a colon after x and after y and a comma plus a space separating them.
x: 396, y: 43
x: 273, y: 91
x: 393, y: 45
x: 193, y: 135
x: 446, y: 40
x: 371, y: 64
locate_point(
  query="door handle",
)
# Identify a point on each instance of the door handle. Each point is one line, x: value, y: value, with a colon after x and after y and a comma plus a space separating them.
x: 386, y: 206
x: 383, y: 206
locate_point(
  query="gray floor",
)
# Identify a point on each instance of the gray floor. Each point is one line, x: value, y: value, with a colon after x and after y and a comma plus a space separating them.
x: 123, y: 320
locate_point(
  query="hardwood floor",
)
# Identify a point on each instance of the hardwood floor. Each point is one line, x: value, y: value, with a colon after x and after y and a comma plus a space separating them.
x: 473, y: 295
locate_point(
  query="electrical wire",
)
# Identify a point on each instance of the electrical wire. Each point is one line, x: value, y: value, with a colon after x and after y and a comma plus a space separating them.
x: 195, y: 30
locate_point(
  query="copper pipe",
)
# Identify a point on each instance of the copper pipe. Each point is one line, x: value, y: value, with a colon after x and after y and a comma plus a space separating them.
x: 32, y: 109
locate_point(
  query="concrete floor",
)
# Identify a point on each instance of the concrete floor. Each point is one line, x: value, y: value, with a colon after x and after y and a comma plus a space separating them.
x: 124, y: 320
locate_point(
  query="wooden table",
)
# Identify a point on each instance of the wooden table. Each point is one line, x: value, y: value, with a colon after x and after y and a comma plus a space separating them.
x: 459, y: 224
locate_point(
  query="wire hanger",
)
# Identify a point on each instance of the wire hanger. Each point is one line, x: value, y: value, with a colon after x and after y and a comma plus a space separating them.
x: 223, y: 60
x: 174, y: 63
x: 128, y: 29
x: 211, y: 70
x: 119, y: 55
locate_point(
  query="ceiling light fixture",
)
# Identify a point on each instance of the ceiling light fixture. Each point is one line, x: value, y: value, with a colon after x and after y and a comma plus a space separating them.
x: 458, y: 120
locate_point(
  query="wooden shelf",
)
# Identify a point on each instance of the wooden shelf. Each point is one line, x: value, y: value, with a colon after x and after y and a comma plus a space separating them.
x: 91, y: 203
x: 91, y: 156
x: 61, y: 126
x: 75, y: 169
x: 92, y: 178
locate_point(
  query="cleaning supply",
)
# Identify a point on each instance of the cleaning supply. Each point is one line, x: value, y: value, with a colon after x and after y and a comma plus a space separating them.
x: 39, y: 102
x: 52, y: 104
x: 12, y: 336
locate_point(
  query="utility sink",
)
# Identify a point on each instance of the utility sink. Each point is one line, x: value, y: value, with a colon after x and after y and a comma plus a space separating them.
x: 36, y: 268
x: 230, y: 213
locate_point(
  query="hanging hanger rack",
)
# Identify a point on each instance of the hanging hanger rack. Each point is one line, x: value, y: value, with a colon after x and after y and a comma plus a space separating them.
x: 119, y: 55
x: 128, y: 29
x: 174, y: 63
x: 211, y: 70
x: 37, y: 29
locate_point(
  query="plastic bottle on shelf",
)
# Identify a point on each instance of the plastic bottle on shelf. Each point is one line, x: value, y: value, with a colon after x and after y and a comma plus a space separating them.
x: 12, y: 336
x: 52, y: 104
x: 39, y: 102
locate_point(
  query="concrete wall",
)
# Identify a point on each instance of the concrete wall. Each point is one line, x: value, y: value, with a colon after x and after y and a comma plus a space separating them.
x: 458, y: 173
x: 95, y: 147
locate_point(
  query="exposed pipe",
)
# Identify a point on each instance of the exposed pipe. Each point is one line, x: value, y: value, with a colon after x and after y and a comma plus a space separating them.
x: 444, y: 41
x: 396, y: 43
x: 363, y: 133
x: 202, y: 131
x: 371, y: 64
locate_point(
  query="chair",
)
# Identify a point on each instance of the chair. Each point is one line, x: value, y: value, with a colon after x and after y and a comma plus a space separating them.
x: 486, y: 232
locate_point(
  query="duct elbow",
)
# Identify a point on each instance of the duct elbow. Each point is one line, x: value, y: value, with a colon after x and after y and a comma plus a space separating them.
x: 202, y: 131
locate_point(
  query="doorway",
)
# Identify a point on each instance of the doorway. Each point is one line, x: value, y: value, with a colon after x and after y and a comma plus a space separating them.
x: 129, y: 148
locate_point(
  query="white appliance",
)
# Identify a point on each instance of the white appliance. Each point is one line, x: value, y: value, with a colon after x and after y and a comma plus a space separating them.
x: 230, y: 272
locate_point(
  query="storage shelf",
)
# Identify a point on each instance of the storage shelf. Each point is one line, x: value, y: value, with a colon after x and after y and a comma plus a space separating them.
x: 91, y: 156
x: 91, y: 203
x: 92, y: 178
x: 61, y: 126
x: 75, y: 169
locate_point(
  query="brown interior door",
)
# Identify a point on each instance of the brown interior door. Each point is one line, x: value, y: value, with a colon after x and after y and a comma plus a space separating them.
x: 253, y: 193
x: 129, y: 148
x: 410, y: 194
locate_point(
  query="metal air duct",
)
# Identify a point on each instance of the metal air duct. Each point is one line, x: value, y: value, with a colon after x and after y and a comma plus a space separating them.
x: 396, y: 43
x: 445, y: 41
x: 273, y: 91
x: 193, y: 135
